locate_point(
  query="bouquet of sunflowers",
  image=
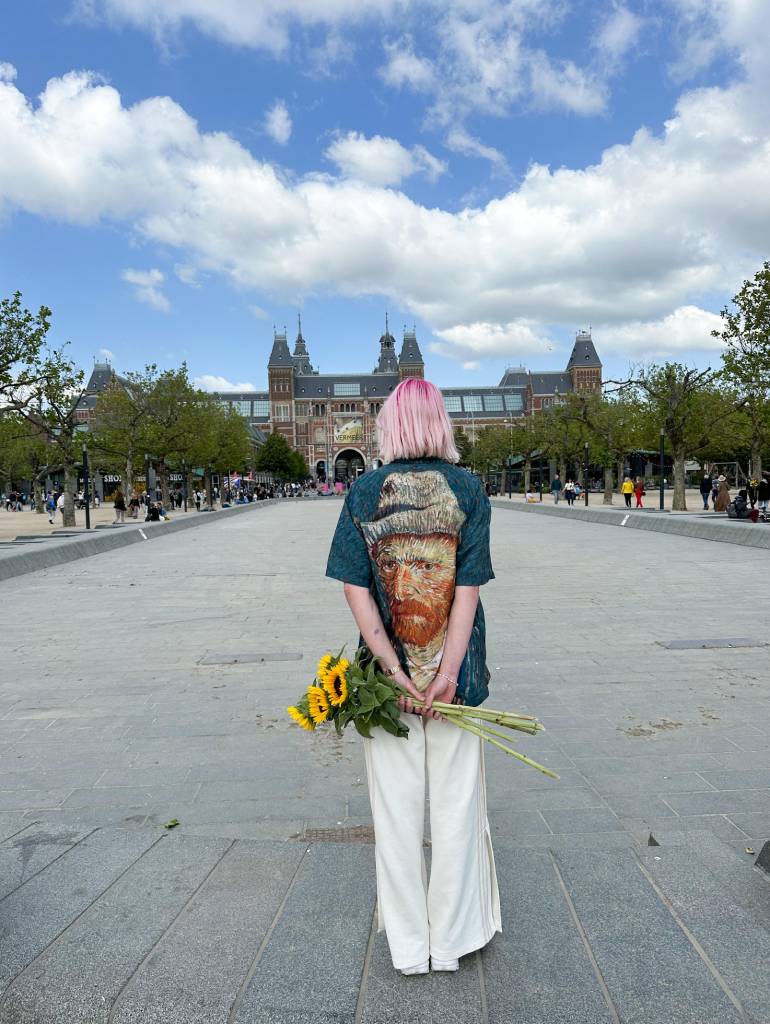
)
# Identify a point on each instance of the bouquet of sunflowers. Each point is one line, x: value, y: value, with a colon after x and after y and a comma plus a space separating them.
x: 354, y: 691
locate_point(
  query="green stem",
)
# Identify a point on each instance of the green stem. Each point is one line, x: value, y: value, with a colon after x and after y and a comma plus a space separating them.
x: 508, y: 750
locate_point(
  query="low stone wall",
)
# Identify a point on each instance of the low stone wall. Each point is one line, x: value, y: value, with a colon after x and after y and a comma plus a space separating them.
x: 52, y: 552
x: 754, y: 535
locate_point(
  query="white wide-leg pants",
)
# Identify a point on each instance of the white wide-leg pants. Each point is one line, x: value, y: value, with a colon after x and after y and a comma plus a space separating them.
x: 459, y: 910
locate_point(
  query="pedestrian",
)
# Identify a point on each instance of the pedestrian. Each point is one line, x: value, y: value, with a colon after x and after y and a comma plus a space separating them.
x: 60, y: 505
x: 723, y: 496
x: 419, y: 526
x: 119, y: 504
x: 556, y: 489
x: 752, y: 491
x: 627, y: 489
x: 569, y: 492
x: 763, y: 494
x: 705, y: 489
x: 198, y: 499
x: 639, y: 491
x: 133, y: 505
x: 714, y: 492
x: 50, y: 507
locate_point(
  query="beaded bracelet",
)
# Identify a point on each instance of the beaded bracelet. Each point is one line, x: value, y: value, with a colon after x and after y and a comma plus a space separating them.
x: 452, y: 679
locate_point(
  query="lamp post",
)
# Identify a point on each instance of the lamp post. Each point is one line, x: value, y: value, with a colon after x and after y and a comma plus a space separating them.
x: 662, y: 460
x: 147, y: 483
x: 86, y: 494
x: 510, y: 465
x: 184, y: 484
x: 585, y: 473
x: 210, y: 497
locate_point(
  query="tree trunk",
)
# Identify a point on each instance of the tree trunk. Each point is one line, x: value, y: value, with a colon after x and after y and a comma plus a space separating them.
x: 608, y: 482
x: 163, y: 478
x: 756, y: 457
x: 128, y: 477
x: 621, y: 467
x: 527, y: 474
x: 580, y: 476
x: 207, y: 487
x: 679, y: 503
x: 37, y: 490
x: 70, y: 477
x: 563, y: 469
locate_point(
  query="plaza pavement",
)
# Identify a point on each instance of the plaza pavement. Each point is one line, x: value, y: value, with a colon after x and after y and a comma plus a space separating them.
x: 150, y: 683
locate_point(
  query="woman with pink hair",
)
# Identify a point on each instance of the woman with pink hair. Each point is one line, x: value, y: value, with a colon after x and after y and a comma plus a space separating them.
x: 412, y: 548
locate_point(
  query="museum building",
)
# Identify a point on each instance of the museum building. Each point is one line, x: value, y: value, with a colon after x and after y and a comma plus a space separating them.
x: 330, y: 418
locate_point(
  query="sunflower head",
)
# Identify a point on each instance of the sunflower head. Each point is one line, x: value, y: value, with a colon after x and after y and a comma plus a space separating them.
x: 336, y: 684
x: 301, y: 718
x: 318, y: 704
x: 323, y: 666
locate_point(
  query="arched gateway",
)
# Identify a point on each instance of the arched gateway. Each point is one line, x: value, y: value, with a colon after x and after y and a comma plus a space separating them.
x: 348, y: 464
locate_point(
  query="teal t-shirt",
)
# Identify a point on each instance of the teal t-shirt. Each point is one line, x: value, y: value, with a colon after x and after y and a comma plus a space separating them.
x: 411, y: 532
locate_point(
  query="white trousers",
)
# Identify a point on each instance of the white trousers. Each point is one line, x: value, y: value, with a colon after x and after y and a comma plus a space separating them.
x: 459, y: 910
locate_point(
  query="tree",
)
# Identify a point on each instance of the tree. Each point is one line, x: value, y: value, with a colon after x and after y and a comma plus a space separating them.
x: 116, y: 432
x: 22, y: 340
x: 746, y: 358
x: 612, y: 427
x: 675, y: 399
x: 464, y: 446
x: 277, y: 457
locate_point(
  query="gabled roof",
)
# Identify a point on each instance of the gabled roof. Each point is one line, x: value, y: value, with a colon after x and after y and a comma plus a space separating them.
x: 410, y: 350
x: 280, y: 355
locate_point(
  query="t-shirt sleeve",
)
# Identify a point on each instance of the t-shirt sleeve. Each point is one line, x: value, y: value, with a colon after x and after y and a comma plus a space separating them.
x: 474, y: 563
x: 348, y: 556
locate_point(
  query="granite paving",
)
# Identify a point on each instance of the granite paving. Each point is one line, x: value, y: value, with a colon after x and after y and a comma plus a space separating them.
x: 147, y: 685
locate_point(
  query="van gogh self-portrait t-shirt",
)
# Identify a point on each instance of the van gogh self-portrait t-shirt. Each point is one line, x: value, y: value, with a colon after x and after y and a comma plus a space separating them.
x: 411, y: 532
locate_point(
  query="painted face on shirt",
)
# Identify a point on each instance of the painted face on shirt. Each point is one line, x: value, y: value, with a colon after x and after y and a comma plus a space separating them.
x: 418, y: 574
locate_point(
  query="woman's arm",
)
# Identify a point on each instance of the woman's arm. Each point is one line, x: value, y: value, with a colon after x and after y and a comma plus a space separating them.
x: 368, y: 619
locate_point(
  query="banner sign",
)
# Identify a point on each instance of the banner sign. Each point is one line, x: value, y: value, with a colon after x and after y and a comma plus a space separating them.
x: 349, y: 430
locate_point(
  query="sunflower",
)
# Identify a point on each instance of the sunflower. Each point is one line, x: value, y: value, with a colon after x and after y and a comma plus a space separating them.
x: 318, y: 703
x: 323, y: 667
x: 301, y: 719
x: 335, y: 683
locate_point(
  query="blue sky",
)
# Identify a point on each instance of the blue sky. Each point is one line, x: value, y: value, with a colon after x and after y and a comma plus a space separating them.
x: 180, y: 176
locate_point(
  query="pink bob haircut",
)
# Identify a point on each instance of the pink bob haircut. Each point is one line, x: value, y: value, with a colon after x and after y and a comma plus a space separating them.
x: 413, y: 423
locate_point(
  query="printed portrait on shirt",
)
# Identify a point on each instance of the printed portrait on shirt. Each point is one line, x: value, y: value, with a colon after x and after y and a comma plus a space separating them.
x: 412, y: 540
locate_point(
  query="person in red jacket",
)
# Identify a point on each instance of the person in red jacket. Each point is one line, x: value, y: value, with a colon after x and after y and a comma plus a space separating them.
x: 639, y: 491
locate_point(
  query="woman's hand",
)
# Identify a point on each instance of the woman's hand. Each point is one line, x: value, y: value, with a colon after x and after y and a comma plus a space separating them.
x: 440, y: 689
x: 405, y: 703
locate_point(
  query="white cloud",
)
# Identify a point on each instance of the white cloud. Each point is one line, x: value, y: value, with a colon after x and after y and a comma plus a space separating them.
x: 212, y: 382
x: 618, y: 34
x: 653, y: 226
x: 187, y: 274
x: 105, y: 353
x: 381, y: 161
x: 7, y: 72
x: 278, y: 123
x: 471, y: 364
x: 460, y: 141
x: 258, y: 312
x: 687, y: 329
x: 404, y: 68
x: 489, y: 339
x: 147, y: 287
x: 263, y: 24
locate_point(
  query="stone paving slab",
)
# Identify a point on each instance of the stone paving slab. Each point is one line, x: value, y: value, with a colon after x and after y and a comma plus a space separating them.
x: 646, y: 739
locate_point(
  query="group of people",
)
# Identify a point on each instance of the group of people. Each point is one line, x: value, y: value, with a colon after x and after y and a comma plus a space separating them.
x: 571, y: 490
x: 635, y: 487
x: 751, y: 502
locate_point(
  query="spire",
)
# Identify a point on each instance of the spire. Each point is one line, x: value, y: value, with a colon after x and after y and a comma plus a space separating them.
x: 387, y: 362
x: 300, y: 349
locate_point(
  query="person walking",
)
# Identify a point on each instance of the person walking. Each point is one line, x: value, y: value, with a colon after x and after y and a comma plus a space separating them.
x: 60, y: 505
x: 723, y: 496
x: 639, y: 491
x: 627, y: 489
x: 412, y: 548
x: 119, y: 505
x: 198, y: 499
x: 714, y: 492
x: 569, y: 492
x: 133, y: 505
x: 556, y: 489
x: 50, y: 507
x: 705, y: 490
